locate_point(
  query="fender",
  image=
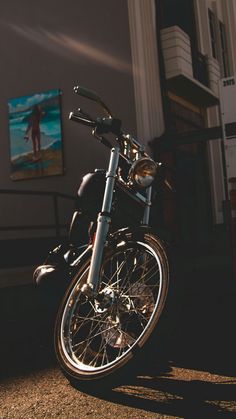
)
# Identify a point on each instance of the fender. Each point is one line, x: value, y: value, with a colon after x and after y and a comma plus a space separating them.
x: 136, y: 233
x: 63, y: 272
x: 81, y: 258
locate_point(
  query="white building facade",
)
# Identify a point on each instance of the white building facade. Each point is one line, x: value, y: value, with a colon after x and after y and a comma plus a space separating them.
x: 196, y: 40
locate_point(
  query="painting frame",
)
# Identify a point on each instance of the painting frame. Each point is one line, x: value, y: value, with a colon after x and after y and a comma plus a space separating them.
x: 35, y: 135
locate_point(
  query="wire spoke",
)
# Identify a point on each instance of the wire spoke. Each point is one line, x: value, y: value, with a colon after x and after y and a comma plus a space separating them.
x: 140, y: 317
x: 99, y: 332
x: 110, y: 280
x: 106, y: 342
x: 122, y: 332
x: 142, y: 282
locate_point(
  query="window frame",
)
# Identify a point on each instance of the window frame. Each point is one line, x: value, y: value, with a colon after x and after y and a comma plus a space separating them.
x: 224, y: 50
x: 219, y: 43
x: 213, y: 32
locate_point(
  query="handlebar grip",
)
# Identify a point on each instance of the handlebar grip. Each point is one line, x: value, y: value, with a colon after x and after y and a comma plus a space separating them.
x: 89, y: 94
x: 76, y: 117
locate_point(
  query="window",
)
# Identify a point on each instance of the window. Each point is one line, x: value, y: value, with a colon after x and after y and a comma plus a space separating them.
x: 219, y: 43
x: 212, y: 24
x: 179, y: 13
x: 224, y: 51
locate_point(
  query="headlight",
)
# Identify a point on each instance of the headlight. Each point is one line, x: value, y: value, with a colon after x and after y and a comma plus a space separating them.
x: 143, y: 172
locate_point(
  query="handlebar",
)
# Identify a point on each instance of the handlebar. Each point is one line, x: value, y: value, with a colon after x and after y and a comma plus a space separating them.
x: 90, y: 94
x: 82, y: 118
x: 103, y: 125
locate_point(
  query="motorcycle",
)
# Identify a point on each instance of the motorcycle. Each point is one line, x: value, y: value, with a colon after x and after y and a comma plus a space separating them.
x: 115, y: 267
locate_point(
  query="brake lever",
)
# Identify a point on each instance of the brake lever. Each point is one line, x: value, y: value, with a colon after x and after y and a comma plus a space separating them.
x: 165, y: 181
x: 81, y: 118
x: 84, y: 114
x: 169, y: 186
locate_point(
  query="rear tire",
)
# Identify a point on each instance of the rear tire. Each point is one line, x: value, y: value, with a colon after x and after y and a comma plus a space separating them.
x: 101, y: 338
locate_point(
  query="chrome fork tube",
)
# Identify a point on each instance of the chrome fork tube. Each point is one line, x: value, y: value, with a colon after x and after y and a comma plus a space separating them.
x: 146, y: 214
x: 103, y: 221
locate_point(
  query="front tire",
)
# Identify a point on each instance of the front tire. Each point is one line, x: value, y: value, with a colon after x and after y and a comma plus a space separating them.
x: 97, y: 338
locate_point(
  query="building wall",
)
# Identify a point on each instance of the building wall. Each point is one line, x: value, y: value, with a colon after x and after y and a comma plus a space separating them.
x: 57, y: 44
x: 225, y: 11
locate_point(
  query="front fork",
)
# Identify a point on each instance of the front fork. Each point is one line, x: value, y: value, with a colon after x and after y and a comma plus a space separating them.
x: 90, y: 288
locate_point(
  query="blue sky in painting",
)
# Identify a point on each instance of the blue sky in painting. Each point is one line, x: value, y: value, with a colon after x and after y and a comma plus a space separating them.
x: 25, y: 102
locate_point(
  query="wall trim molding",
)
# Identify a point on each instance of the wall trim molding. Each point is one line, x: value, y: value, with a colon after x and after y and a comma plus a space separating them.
x: 148, y: 98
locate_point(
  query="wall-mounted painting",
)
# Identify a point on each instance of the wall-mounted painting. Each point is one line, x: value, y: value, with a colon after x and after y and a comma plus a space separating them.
x: 35, y: 135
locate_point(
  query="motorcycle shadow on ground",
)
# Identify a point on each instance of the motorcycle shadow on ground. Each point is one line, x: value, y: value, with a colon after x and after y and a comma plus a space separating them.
x: 191, y: 371
x: 167, y: 395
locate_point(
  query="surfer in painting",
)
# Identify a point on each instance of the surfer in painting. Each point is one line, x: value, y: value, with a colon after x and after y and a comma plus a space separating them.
x: 33, y: 131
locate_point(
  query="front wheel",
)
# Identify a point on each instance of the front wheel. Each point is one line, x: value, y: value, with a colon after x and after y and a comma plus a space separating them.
x: 97, y: 337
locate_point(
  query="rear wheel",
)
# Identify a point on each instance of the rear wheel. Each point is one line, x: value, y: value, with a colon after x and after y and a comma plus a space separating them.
x: 95, y: 338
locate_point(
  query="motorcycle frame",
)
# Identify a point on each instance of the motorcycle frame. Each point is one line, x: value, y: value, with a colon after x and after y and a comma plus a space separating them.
x: 91, y: 286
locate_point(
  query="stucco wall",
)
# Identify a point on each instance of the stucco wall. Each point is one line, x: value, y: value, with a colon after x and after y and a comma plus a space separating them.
x: 57, y: 44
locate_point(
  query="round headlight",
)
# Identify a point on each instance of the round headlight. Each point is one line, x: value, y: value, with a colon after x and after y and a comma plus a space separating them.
x: 143, y: 172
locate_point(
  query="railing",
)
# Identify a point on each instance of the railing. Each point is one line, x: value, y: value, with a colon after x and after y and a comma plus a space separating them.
x: 54, y: 196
